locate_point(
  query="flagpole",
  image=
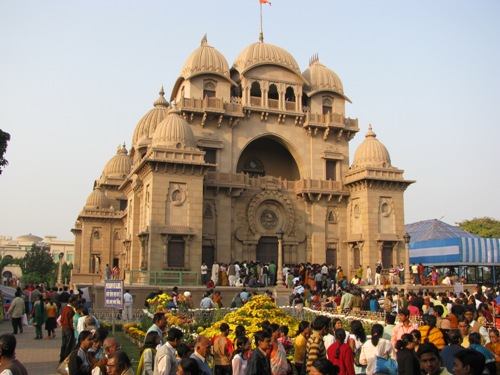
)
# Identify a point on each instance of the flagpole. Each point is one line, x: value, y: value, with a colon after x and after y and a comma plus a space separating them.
x: 261, y: 35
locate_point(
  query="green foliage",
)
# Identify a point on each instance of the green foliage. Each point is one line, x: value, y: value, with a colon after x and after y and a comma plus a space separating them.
x: 66, y: 272
x: 485, y: 227
x: 4, y: 139
x: 38, y: 266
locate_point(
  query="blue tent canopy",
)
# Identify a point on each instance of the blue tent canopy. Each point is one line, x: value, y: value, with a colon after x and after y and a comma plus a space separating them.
x: 455, y: 251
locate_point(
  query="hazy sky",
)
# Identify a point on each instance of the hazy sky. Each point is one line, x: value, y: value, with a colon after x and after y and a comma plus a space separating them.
x: 77, y: 76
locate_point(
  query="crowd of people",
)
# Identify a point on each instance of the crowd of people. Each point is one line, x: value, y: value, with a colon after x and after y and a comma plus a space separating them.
x: 325, y: 276
x: 424, y: 332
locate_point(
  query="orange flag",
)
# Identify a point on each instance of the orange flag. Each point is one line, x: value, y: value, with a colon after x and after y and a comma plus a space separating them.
x: 265, y: 2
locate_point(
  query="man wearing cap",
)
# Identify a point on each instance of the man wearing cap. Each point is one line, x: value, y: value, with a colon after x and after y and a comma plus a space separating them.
x: 223, y: 351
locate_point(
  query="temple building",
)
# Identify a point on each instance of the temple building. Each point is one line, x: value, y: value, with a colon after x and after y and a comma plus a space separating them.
x: 237, y: 156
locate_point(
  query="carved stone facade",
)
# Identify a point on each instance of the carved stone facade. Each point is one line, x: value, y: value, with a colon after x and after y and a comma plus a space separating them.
x: 236, y: 156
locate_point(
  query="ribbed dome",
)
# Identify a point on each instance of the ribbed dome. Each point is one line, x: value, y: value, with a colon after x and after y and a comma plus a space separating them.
x: 119, y: 165
x: 174, y: 132
x: 321, y: 78
x: 29, y: 238
x: 205, y: 59
x: 261, y: 53
x: 97, y: 199
x: 147, y: 125
x: 371, y: 153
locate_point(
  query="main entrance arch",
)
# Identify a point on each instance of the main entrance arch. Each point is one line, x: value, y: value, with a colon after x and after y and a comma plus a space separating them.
x: 267, y: 156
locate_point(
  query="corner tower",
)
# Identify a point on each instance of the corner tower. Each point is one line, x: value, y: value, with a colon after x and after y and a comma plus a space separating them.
x: 376, y: 208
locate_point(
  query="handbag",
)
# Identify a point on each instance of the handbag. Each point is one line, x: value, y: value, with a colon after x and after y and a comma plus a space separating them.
x: 386, y: 366
x: 24, y: 319
x: 63, y: 367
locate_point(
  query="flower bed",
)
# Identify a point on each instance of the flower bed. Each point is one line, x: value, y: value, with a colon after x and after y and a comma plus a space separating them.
x: 251, y: 315
x: 260, y: 308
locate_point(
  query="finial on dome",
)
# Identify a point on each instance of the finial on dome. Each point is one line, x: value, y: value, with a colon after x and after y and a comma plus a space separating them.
x: 370, y: 132
x: 204, y: 40
x: 261, y: 36
x: 313, y: 59
x: 161, y: 99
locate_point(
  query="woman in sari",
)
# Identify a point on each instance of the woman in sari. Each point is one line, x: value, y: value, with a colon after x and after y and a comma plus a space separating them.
x: 39, y: 317
x: 279, y: 363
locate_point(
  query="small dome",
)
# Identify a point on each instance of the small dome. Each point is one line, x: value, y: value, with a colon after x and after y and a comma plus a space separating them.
x: 119, y: 165
x: 29, y: 238
x: 174, y: 132
x: 97, y: 199
x: 261, y: 53
x: 205, y: 59
x: 321, y: 78
x: 371, y: 153
x: 147, y: 125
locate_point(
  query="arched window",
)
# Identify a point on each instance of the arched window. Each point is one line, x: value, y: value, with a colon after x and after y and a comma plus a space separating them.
x: 273, y: 92
x: 255, y: 90
x: 255, y: 95
x: 236, y: 91
x: 273, y: 97
x: 327, y: 105
x: 209, y: 89
x: 254, y: 167
x: 289, y: 94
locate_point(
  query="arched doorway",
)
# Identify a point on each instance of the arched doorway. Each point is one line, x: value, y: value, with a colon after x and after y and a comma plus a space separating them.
x: 267, y: 156
x: 267, y: 250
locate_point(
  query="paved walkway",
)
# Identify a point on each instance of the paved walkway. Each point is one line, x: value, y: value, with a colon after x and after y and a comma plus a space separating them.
x: 40, y: 357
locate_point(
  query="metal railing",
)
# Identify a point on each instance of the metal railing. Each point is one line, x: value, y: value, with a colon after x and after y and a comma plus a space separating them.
x: 178, y: 278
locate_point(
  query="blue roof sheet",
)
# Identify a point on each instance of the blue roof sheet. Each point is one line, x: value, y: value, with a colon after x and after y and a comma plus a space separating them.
x: 434, y: 229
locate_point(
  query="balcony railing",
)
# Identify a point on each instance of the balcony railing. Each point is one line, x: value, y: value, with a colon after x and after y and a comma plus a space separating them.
x: 178, y: 278
x: 302, y: 186
x: 209, y: 104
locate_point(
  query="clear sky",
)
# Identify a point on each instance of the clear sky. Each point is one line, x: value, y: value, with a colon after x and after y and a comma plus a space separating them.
x: 77, y: 76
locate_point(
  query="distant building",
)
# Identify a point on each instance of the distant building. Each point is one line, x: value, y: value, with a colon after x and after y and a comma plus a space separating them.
x: 453, y: 251
x: 244, y: 153
x: 17, y: 248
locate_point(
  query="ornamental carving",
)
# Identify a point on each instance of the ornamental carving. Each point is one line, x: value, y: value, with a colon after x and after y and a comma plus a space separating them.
x: 270, y: 211
x: 269, y: 219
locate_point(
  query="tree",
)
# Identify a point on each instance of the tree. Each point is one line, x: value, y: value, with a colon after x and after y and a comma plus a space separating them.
x: 485, y: 227
x: 38, y: 266
x: 4, y: 139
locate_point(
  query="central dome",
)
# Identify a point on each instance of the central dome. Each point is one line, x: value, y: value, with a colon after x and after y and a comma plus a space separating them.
x: 174, y: 132
x: 371, y: 153
x: 261, y: 53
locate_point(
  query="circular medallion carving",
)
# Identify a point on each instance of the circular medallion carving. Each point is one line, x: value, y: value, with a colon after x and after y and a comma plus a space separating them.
x: 270, y: 211
x: 269, y: 219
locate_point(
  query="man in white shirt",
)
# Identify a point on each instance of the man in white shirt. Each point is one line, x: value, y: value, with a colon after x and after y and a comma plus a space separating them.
x: 204, y: 273
x: 165, y: 360
x: 128, y: 301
